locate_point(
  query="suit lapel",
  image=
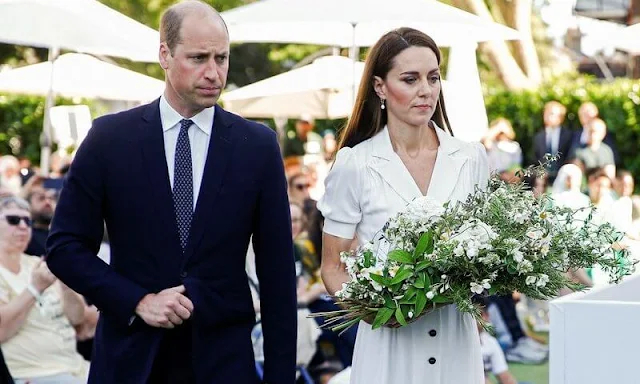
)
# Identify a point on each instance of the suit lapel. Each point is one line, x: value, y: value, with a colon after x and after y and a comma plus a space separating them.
x: 218, y: 156
x: 155, y: 165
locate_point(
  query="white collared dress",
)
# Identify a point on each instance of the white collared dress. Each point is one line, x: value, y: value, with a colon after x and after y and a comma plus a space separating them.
x: 367, y: 185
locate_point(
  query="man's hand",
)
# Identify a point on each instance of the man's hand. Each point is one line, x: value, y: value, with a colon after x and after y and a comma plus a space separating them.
x: 165, y: 309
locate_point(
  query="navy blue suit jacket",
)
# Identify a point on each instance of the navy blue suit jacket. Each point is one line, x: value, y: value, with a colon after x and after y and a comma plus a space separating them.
x: 120, y: 175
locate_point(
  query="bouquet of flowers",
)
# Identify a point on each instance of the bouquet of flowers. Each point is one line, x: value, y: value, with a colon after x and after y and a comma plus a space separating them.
x: 499, y: 240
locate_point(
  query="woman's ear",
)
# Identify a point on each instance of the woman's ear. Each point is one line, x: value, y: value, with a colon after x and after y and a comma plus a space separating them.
x: 378, y: 87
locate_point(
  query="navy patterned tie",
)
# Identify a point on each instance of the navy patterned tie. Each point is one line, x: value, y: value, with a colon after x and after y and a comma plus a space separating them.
x: 183, y: 183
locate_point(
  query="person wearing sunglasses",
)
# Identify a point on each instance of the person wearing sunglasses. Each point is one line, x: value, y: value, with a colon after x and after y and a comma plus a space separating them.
x: 299, y: 185
x: 38, y: 313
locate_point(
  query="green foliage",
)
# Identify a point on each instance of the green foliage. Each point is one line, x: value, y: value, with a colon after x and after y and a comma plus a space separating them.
x: 618, y: 102
x: 21, y: 122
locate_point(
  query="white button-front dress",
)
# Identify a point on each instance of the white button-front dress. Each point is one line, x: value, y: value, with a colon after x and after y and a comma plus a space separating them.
x: 366, y: 186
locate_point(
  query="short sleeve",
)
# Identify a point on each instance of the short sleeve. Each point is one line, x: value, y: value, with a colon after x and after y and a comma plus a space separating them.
x: 498, y: 361
x: 340, y: 204
x: 481, y: 166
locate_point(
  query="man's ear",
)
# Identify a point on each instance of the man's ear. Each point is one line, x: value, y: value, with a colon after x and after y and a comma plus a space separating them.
x: 379, y: 87
x: 164, y: 55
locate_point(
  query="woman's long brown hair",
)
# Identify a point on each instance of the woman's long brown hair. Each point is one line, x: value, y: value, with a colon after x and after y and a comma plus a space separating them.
x: 367, y: 118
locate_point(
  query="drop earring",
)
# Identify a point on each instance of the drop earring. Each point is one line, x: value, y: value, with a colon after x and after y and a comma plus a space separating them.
x: 382, y: 106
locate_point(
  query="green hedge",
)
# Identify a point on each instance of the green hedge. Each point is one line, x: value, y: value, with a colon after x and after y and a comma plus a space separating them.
x: 21, y: 122
x: 618, y: 102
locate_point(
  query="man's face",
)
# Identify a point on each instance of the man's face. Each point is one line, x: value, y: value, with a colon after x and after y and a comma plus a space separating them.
x: 553, y: 116
x: 196, y: 71
x: 43, y: 204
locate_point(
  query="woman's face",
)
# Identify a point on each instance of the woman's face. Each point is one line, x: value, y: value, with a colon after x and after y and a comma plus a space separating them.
x: 411, y: 88
x: 15, y: 233
x: 296, y: 220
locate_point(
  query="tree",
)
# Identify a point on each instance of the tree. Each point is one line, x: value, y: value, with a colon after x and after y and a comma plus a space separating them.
x: 517, y: 62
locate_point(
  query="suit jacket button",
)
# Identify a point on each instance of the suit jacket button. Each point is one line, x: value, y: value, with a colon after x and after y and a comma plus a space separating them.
x: 433, y: 333
x: 432, y: 360
x: 183, y: 274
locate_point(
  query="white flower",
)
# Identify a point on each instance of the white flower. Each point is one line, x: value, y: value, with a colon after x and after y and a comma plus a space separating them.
x: 458, y: 251
x: 518, y: 256
x: 530, y: 280
x: 534, y: 233
x: 393, y: 270
x: 476, y: 288
x: 410, y: 314
x: 443, y: 276
x: 480, y: 287
x: 430, y: 295
x: 475, y: 231
x: 542, y: 280
x: 472, y: 251
x: 423, y: 209
x: 520, y: 217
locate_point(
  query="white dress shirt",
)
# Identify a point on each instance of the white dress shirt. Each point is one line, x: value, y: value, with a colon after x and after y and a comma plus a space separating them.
x: 199, y: 136
x: 552, y: 136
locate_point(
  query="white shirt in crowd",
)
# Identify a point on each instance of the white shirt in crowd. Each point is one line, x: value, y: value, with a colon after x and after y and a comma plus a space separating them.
x: 552, y: 136
x: 199, y: 136
x: 492, y: 355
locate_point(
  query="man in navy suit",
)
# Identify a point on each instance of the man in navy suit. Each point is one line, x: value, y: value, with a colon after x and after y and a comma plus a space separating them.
x: 182, y: 186
x: 553, y: 139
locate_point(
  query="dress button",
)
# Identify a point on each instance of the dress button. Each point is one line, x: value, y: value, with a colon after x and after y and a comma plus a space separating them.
x: 432, y: 360
x: 183, y: 274
x: 433, y: 333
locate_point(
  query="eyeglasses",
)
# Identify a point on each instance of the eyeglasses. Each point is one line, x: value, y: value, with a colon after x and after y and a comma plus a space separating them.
x: 302, y: 187
x: 15, y: 220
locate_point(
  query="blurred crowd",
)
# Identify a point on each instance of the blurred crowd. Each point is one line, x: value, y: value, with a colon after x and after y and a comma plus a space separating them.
x: 587, y: 172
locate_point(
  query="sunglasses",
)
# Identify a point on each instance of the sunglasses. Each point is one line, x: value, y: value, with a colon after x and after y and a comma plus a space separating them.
x: 15, y: 220
x: 302, y: 187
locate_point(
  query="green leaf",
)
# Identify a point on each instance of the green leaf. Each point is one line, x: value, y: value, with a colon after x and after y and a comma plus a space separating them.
x: 400, y: 256
x: 419, y: 283
x: 426, y: 279
x: 410, y: 293
x: 368, y: 259
x: 425, y: 244
x: 421, y: 301
x: 423, y: 265
x: 389, y: 303
x: 379, y: 279
x: 402, y: 274
x: 400, y: 316
x: 384, y: 314
x: 441, y: 299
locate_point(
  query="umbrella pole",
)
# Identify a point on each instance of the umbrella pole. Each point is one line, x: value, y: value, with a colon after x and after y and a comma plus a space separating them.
x: 46, y: 140
x: 354, y: 52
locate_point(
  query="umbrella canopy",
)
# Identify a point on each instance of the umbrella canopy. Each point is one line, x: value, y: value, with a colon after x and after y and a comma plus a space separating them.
x: 78, y: 25
x: 322, y: 89
x: 629, y: 39
x: 79, y: 75
x: 358, y: 23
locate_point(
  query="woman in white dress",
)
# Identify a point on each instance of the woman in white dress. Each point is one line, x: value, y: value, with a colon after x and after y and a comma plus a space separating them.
x: 398, y: 146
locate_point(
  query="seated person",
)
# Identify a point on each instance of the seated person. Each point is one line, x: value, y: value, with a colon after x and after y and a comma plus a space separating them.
x: 492, y: 355
x: 38, y: 313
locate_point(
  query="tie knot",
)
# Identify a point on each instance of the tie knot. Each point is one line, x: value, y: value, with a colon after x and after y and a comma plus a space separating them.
x: 185, y: 124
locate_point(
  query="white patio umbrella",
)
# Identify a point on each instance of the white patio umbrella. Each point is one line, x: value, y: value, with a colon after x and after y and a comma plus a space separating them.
x: 356, y: 23
x: 629, y: 39
x: 322, y: 89
x: 86, y: 26
x: 78, y: 25
x: 80, y: 75
x: 360, y: 23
